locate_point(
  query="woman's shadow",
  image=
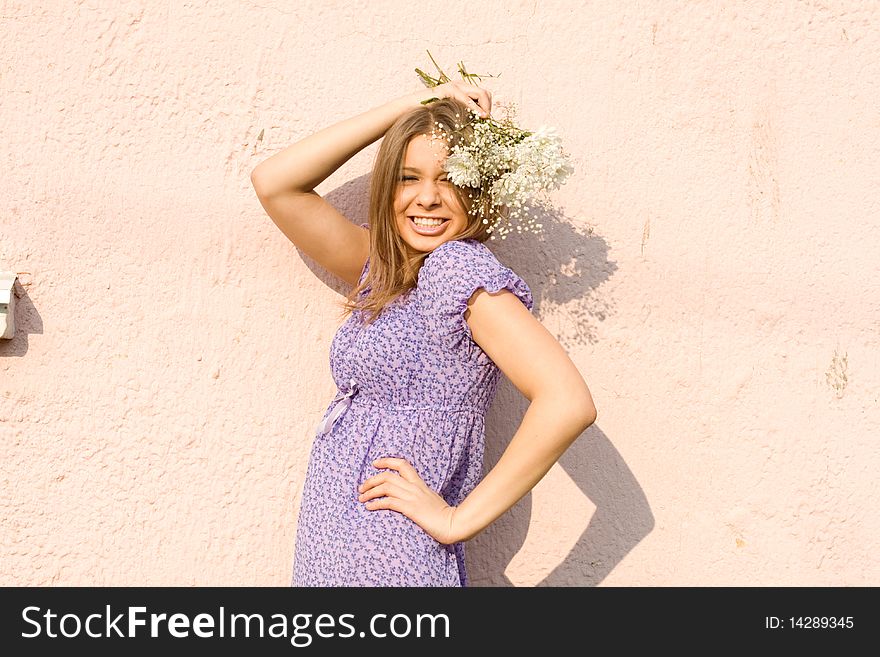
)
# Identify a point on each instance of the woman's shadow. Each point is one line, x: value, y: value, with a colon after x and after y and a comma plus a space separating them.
x: 564, y: 268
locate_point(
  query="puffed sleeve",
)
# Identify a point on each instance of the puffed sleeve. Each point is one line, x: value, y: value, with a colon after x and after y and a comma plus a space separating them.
x: 450, y: 275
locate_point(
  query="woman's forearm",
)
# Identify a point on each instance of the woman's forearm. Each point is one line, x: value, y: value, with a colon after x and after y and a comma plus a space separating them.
x: 306, y: 163
x: 550, y: 425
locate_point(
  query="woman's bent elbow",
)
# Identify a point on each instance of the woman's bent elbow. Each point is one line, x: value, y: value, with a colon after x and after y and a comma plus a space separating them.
x: 256, y: 180
x: 589, y: 413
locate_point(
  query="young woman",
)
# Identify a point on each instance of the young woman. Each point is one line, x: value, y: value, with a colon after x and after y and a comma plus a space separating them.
x: 394, y: 484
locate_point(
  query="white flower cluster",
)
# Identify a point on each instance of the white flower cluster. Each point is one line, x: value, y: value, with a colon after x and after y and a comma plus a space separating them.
x: 513, y: 170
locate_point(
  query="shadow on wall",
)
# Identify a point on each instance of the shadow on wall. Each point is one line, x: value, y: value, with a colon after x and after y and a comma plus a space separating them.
x: 621, y: 520
x: 563, y: 267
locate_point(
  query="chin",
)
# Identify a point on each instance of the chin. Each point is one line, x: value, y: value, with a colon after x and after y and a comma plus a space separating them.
x: 422, y: 244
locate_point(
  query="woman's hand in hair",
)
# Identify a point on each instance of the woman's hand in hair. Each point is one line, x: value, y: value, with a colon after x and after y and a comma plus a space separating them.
x: 476, y: 98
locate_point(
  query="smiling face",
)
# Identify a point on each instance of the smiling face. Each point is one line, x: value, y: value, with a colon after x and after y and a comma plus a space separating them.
x: 424, y: 191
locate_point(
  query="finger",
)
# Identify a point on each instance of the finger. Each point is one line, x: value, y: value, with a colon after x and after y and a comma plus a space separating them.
x: 376, y: 479
x: 370, y: 493
x: 391, y: 503
x: 379, y: 491
x: 385, y: 481
x: 468, y: 96
x: 406, y: 471
x: 476, y: 107
x: 486, y: 100
x: 482, y: 98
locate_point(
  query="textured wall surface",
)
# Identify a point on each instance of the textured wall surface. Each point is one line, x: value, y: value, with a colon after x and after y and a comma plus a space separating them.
x: 713, y: 272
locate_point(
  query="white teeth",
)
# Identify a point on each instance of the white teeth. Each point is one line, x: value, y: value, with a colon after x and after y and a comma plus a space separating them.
x: 421, y: 221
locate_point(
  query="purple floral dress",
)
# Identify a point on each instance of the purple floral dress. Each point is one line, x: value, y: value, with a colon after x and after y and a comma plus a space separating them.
x: 412, y: 385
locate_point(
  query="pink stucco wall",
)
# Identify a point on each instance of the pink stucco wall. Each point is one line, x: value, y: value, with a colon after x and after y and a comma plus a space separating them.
x: 713, y: 273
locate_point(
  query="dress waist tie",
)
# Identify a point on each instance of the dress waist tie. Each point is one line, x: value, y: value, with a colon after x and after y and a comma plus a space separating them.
x: 342, y: 401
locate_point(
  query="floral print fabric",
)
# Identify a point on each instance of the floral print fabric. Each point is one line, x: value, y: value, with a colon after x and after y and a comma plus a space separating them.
x: 412, y: 385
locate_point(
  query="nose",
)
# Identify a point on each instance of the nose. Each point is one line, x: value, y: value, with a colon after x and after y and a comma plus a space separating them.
x: 429, y: 194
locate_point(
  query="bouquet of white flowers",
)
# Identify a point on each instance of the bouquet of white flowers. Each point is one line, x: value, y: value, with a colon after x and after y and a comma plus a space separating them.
x: 514, y: 169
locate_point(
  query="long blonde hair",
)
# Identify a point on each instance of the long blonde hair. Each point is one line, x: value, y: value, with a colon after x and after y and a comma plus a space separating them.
x: 394, y: 265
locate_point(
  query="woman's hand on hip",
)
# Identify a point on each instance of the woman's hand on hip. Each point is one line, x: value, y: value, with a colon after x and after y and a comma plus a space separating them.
x: 405, y: 492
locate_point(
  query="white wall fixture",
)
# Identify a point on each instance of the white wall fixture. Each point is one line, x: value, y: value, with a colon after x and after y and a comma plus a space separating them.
x: 7, y: 304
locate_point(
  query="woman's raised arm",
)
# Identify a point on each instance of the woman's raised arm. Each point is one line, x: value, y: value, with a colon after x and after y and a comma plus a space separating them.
x: 285, y: 182
x: 304, y: 165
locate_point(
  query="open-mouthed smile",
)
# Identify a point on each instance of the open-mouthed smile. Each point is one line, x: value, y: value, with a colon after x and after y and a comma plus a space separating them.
x: 425, y: 225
